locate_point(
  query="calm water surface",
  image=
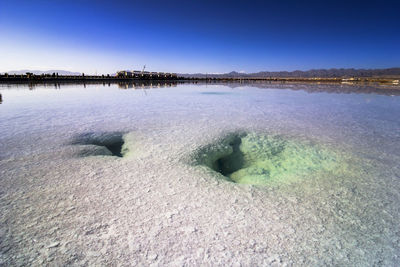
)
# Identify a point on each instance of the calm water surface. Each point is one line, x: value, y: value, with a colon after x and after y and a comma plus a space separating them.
x: 356, y: 204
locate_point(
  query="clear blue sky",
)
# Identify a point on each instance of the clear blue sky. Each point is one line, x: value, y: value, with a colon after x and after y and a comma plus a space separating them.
x: 198, y: 36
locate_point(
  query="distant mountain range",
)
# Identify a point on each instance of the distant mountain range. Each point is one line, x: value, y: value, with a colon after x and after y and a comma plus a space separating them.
x: 319, y: 73
x: 39, y: 72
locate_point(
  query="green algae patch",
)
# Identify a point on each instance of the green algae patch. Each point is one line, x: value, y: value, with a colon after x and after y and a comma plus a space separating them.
x: 259, y: 159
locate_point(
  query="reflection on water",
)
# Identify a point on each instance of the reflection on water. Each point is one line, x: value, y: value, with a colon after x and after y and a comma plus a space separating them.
x: 337, y: 88
x: 146, y: 84
x: 121, y: 85
x: 214, y: 93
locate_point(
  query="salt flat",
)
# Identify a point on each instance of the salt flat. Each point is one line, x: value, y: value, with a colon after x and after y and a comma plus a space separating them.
x: 66, y: 200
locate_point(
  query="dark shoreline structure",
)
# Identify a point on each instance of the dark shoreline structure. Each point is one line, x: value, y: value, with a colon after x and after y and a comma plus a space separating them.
x: 28, y: 78
x: 55, y: 77
x: 335, y: 76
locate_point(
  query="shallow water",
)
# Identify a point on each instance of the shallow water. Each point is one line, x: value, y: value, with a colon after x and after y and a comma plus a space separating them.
x: 101, y: 174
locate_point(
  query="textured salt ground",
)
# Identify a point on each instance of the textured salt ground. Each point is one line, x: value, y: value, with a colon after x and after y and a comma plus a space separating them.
x: 151, y: 207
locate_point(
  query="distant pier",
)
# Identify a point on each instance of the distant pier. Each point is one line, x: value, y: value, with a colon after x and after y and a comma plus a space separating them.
x: 353, y: 80
x: 131, y: 76
x: 120, y: 76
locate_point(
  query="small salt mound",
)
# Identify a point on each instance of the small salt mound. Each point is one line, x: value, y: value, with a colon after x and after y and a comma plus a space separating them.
x: 106, y: 144
x: 250, y: 158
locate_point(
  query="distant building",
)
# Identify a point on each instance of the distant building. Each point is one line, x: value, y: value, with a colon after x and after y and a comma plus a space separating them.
x: 124, y: 74
x: 145, y: 75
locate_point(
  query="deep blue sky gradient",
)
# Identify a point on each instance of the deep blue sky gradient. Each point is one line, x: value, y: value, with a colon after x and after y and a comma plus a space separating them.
x: 199, y: 36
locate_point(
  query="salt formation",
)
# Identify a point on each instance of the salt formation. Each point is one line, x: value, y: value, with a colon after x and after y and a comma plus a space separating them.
x: 332, y: 196
x: 101, y: 144
x: 261, y: 159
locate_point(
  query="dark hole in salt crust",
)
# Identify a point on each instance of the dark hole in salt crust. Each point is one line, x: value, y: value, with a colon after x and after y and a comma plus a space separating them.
x: 219, y: 158
x: 232, y: 162
x: 112, y: 141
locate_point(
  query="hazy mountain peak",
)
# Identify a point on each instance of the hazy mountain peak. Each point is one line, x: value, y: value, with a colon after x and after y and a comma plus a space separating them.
x: 321, y: 73
x: 39, y: 72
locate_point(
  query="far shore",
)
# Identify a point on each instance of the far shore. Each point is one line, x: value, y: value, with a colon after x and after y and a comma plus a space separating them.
x: 31, y: 78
